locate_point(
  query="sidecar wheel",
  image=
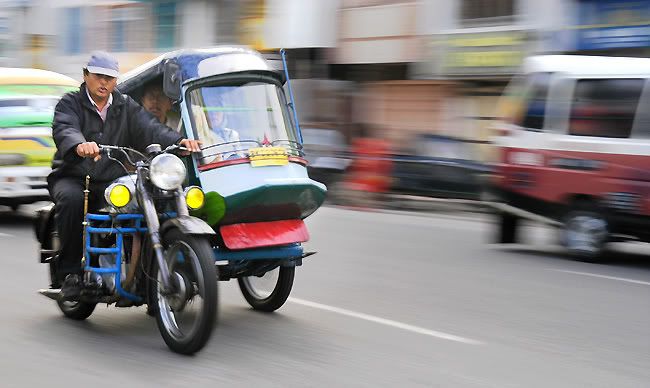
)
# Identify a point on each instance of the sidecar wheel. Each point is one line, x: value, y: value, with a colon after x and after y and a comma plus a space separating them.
x: 187, y: 316
x: 76, y: 310
x: 269, y: 292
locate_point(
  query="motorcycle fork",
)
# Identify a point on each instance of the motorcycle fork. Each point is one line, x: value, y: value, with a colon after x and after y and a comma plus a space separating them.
x: 153, y: 224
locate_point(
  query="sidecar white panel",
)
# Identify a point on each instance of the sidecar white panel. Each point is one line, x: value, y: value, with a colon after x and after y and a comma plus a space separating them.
x: 239, y: 178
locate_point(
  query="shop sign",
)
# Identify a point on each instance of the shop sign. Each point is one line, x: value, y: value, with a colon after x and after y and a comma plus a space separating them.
x: 251, y: 24
x: 607, y: 24
x: 484, y: 53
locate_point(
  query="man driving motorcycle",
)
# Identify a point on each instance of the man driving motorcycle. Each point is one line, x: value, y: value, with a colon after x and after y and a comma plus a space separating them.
x: 96, y: 114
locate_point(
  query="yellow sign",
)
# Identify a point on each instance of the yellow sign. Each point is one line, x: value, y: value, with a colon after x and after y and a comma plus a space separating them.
x: 485, y: 59
x: 487, y: 41
x: 268, y: 156
x: 470, y: 53
x: 251, y: 24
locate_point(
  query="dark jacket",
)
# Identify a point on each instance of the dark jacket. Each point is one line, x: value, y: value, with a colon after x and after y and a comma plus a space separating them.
x: 77, y: 121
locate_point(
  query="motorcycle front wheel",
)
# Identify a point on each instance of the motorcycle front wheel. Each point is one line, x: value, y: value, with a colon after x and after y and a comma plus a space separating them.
x: 186, y: 316
x: 268, y: 292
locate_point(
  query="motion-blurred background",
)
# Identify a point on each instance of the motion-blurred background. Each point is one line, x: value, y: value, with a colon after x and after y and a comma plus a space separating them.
x: 416, y: 80
x: 399, y: 106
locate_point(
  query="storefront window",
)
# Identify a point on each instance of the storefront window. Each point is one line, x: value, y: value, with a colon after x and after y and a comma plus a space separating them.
x: 487, y: 11
x: 119, y: 25
x: 166, y: 28
x: 73, y: 30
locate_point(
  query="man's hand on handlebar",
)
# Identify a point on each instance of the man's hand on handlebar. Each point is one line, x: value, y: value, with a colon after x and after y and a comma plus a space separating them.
x: 92, y: 150
x: 88, y: 150
x: 191, y: 145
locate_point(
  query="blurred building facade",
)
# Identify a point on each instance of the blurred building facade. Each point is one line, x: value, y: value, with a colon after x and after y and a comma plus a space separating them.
x: 387, y: 68
x: 58, y: 35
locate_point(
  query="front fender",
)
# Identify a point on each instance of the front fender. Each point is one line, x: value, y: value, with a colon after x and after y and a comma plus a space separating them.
x: 187, y: 225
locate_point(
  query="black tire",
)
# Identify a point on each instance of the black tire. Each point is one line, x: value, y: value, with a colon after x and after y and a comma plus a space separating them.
x: 584, y: 233
x: 508, y: 227
x: 76, y: 310
x: 73, y: 310
x: 202, y: 274
x: 276, y: 298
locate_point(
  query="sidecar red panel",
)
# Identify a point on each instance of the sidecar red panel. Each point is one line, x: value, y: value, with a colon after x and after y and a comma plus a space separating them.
x: 264, y: 234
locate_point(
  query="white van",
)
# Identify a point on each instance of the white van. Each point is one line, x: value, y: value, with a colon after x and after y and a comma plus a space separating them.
x: 574, y: 150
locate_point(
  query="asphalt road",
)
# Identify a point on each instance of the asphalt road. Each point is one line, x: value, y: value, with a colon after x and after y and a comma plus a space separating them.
x: 391, y: 300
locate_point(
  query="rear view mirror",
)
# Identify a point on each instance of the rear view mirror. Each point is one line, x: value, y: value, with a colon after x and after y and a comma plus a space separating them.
x: 172, y: 80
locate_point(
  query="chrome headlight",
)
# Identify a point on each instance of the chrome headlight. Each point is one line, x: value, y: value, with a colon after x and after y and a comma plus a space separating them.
x: 167, y: 171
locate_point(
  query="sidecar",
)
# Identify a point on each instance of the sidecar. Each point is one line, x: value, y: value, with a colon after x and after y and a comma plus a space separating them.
x: 252, y: 166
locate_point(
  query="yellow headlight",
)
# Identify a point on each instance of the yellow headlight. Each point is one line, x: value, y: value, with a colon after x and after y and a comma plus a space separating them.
x: 119, y: 196
x: 194, y: 197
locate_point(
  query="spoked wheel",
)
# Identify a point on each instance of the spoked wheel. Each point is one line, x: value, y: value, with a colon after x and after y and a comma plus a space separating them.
x: 187, y: 315
x: 585, y: 234
x: 270, y: 291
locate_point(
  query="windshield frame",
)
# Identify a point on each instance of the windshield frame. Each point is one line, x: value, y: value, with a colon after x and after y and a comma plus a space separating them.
x: 241, y: 79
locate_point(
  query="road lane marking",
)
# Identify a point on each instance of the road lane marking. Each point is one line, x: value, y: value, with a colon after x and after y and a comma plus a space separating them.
x: 603, y: 276
x: 384, y: 321
x: 6, y: 235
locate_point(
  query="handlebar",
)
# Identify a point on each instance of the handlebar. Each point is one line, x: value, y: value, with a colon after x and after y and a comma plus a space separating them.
x: 176, y: 147
x: 106, y: 149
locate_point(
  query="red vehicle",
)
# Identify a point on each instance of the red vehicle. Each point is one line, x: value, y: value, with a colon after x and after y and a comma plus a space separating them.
x: 575, y: 151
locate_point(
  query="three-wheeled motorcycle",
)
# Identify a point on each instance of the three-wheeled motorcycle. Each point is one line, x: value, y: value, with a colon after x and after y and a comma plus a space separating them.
x: 239, y: 204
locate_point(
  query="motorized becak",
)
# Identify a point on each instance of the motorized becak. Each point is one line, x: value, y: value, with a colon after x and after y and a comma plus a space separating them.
x: 245, y: 198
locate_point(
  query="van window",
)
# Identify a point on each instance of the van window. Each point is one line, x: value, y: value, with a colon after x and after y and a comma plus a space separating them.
x: 604, y: 107
x: 535, y: 105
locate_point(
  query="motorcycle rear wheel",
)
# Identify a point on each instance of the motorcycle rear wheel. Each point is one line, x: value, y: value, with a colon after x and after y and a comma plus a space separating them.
x: 76, y: 310
x: 73, y: 310
x: 186, y: 317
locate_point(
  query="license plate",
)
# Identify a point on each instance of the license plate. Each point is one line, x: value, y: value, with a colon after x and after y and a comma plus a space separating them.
x: 268, y: 156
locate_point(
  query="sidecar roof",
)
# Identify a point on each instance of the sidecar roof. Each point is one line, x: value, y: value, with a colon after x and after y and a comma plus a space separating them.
x: 200, y: 63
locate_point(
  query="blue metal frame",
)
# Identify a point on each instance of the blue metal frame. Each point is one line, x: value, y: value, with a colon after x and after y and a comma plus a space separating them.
x: 293, y: 102
x: 293, y: 251
x: 117, y: 250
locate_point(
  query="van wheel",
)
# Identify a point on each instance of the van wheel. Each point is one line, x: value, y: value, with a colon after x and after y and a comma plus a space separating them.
x: 508, y: 224
x: 584, y: 234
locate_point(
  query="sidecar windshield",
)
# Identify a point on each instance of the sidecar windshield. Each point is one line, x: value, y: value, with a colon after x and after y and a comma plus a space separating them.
x: 230, y: 120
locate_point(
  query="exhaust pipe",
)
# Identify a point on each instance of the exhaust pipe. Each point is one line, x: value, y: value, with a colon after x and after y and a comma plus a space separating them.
x: 52, y: 293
